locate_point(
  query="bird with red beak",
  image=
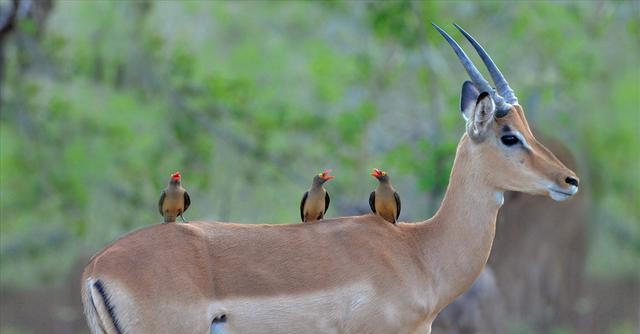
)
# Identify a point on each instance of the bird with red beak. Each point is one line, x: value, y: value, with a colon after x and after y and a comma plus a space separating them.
x: 384, y: 200
x: 174, y: 200
x: 315, y: 201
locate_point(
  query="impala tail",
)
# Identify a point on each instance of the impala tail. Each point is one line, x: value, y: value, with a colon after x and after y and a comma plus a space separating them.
x: 99, y: 308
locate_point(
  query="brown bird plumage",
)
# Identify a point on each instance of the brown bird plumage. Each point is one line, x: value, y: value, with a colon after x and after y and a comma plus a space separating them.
x: 384, y: 201
x: 174, y: 200
x: 315, y: 201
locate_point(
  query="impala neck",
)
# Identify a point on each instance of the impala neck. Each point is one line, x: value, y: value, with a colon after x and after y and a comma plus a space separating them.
x: 457, y: 241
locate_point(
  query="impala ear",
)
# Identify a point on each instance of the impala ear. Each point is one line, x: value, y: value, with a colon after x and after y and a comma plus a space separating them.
x: 468, y: 99
x: 481, y: 115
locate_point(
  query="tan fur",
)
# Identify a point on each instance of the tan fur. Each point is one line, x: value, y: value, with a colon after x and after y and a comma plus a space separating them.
x: 346, y: 275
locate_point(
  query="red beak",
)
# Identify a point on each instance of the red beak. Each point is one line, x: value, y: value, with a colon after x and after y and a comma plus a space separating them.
x: 325, y: 175
x: 175, y: 176
x: 376, y: 173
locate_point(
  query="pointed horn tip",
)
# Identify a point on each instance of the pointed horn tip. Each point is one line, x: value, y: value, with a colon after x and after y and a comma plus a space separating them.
x: 474, y: 74
x: 464, y: 32
x: 503, y: 89
x: 438, y: 28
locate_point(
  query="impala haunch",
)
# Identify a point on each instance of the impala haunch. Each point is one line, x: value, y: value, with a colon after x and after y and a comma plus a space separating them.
x: 345, y: 275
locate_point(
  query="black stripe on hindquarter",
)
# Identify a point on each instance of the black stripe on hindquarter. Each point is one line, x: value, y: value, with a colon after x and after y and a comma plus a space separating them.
x: 107, y: 302
x: 217, y: 325
x: 220, y: 319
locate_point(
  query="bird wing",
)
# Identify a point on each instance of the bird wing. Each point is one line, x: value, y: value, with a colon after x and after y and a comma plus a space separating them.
x: 161, y: 201
x: 372, y: 201
x: 304, y: 200
x: 327, y: 200
x: 398, y: 204
x: 187, y: 201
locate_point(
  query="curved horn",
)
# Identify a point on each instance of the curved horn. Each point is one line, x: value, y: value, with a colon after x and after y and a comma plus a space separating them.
x: 475, y: 75
x: 501, y: 83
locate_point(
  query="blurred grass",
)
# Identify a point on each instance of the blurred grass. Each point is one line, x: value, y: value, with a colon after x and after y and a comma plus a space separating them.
x: 250, y: 99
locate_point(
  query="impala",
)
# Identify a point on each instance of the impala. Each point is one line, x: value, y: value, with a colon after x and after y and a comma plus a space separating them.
x: 345, y: 275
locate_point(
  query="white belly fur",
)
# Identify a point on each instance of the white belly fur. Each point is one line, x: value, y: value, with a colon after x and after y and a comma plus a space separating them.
x: 350, y: 309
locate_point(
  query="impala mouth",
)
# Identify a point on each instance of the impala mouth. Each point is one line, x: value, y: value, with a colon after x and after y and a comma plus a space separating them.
x: 559, y: 195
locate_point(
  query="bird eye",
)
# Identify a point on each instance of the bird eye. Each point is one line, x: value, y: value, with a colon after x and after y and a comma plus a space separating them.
x: 509, y: 140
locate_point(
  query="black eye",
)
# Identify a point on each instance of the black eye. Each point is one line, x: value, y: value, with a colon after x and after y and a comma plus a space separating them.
x: 509, y: 140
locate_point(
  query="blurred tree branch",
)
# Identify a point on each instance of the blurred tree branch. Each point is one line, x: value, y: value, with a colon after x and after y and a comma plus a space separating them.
x: 7, y: 23
x: 11, y: 17
x: 7, y: 18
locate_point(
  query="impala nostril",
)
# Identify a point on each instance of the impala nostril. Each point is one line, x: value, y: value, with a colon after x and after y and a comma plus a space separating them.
x: 571, y: 181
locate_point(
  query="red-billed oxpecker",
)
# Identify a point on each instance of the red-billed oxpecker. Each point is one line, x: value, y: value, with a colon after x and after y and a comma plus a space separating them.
x: 174, y: 200
x: 315, y: 201
x: 384, y: 201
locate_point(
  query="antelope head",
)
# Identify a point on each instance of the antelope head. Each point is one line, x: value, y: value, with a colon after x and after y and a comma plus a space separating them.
x: 499, y: 136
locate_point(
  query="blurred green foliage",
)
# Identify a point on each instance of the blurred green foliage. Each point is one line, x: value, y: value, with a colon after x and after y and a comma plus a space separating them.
x: 250, y: 99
